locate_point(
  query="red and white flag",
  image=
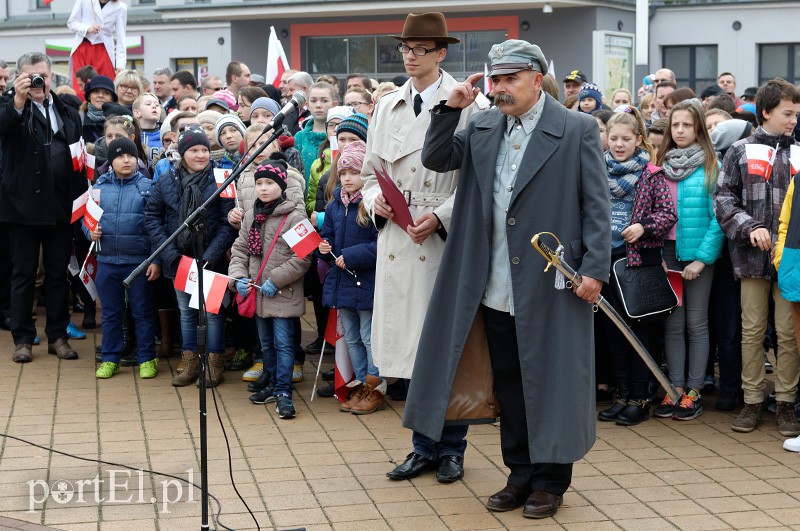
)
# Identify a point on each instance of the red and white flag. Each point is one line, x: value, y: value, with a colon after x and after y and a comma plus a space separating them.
x: 78, y: 152
x: 760, y: 159
x: 88, y: 274
x: 343, y: 370
x: 215, y: 288
x: 186, y: 277
x: 334, y: 146
x: 79, y: 206
x: 92, y: 215
x: 487, y: 81
x: 794, y: 158
x: 220, y: 175
x: 302, y: 238
x: 277, y: 63
x: 90, y: 165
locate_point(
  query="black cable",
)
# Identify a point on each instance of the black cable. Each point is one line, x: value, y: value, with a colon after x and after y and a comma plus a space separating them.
x: 164, y: 474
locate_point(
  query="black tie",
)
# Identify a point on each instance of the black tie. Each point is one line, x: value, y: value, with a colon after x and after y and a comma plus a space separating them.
x: 417, y: 104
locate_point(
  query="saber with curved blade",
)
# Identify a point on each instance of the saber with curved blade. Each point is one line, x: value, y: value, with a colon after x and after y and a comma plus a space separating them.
x: 555, y: 258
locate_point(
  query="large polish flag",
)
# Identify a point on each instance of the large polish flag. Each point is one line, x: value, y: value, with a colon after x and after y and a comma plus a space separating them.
x: 215, y: 287
x: 343, y: 369
x: 302, y: 238
x: 277, y: 63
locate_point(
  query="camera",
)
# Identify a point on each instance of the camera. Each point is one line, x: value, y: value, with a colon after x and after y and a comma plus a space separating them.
x: 37, y: 81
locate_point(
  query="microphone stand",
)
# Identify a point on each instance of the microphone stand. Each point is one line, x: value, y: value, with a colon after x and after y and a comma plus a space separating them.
x: 196, y: 224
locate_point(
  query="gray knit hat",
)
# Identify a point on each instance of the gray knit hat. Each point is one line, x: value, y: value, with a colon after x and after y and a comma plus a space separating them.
x: 726, y: 133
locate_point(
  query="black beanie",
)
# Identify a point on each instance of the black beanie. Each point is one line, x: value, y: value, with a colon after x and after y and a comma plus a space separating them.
x: 275, y: 170
x: 120, y: 146
x: 193, y: 135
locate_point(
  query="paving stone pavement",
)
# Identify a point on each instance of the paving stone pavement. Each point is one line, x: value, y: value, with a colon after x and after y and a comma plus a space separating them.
x: 326, y: 469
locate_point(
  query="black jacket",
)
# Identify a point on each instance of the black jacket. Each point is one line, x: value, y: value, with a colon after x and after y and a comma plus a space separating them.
x: 28, y: 189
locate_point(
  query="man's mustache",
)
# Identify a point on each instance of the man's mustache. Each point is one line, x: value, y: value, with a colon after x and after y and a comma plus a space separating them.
x: 505, y: 98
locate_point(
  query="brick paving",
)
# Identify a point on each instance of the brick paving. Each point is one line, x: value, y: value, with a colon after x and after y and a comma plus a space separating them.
x: 325, y: 469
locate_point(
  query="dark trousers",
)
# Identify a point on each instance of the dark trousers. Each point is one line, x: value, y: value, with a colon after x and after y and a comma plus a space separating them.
x: 501, y: 335
x: 451, y: 443
x: 56, y: 245
x: 5, y: 273
x: 141, y: 297
x: 726, y: 298
x: 629, y: 368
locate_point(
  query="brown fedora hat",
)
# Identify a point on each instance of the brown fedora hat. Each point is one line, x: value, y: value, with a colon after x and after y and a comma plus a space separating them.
x: 426, y: 27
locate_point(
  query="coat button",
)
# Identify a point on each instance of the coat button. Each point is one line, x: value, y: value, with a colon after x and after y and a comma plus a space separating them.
x: 36, y: 190
x: 422, y: 258
x: 428, y: 184
x: 515, y: 260
x: 391, y: 257
x: 399, y: 184
x: 513, y: 167
x: 35, y: 152
x: 413, y: 168
x: 512, y: 221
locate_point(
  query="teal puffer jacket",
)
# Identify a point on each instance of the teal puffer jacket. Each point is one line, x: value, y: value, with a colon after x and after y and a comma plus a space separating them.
x: 698, y: 235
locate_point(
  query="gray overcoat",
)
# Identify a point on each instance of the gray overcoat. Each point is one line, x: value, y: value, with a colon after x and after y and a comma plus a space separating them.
x: 562, y: 188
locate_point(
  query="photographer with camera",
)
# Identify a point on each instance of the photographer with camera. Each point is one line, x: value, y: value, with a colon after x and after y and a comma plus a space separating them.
x: 36, y: 194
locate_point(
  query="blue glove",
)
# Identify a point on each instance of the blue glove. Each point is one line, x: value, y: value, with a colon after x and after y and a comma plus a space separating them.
x: 269, y: 289
x: 241, y: 286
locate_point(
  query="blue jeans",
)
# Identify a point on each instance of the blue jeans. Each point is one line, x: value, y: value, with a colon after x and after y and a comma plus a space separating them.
x: 277, y: 348
x: 215, y: 327
x: 357, y: 326
x: 141, y: 298
x: 452, y: 443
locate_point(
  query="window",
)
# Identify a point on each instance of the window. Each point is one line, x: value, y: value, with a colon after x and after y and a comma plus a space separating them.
x: 779, y: 60
x: 42, y: 4
x: 377, y: 57
x: 136, y: 64
x: 695, y: 66
x: 196, y: 65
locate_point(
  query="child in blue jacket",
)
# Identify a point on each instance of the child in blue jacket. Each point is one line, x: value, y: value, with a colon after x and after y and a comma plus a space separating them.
x: 351, y: 240
x: 124, y: 244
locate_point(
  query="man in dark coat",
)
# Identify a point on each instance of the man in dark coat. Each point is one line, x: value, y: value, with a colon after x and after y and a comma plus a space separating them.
x: 38, y: 187
x: 527, y: 166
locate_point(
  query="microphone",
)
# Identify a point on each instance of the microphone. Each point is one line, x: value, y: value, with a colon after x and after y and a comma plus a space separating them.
x: 297, y: 101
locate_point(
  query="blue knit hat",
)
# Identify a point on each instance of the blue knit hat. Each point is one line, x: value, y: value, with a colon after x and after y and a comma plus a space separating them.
x: 356, y: 124
x: 590, y: 90
x: 266, y: 103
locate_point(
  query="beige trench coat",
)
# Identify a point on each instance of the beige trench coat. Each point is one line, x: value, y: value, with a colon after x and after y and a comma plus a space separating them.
x: 405, y: 271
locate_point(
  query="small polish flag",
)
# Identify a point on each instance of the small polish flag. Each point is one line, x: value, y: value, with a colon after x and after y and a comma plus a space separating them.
x: 78, y: 152
x: 92, y: 215
x: 343, y: 370
x: 90, y: 165
x: 334, y: 146
x: 220, y: 175
x: 302, y: 238
x: 79, y: 206
x: 277, y: 63
x: 87, y: 275
x: 794, y: 158
x: 760, y: 159
x: 215, y: 287
x: 186, y: 277
x: 487, y: 81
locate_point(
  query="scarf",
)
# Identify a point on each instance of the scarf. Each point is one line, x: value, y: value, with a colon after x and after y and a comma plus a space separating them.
x: 623, y: 176
x: 261, y: 210
x: 679, y: 163
x: 192, y: 186
x: 348, y: 198
x: 94, y: 114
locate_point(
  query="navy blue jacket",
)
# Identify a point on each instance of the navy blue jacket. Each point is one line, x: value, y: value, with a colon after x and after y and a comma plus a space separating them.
x: 125, y: 239
x: 162, y: 218
x: 358, y: 245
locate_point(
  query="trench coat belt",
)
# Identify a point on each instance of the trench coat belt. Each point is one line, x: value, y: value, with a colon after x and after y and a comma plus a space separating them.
x: 425, y: 199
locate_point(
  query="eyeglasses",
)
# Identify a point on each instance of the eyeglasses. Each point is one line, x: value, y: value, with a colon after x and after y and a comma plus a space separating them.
x: 128, y: 88
x: 417, y: 50
x: 357, y: 104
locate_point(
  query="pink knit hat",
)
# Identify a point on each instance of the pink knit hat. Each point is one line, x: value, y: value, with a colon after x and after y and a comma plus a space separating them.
x: 352, y: 156
x: 228, y: 97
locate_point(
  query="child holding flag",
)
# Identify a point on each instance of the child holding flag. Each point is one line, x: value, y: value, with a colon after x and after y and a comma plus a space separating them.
x: 351, y: 240
x: 279, y: 286
x: 124, y: 245
x: 752, y: 184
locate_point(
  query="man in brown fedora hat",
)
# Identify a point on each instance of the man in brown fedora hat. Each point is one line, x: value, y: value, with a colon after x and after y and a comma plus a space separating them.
x: 408, y: 260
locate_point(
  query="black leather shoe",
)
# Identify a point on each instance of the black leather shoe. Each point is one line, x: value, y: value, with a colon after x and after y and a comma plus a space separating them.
x: 450, y: 469
x: 508, y: 499
x: 541, y: 504
x: 636, y: 412
x: 398, y: 390
x: 611, y: 414
x: 328, y: 376
x: 413, y: 466
x: 326, y: 392
x: 5, y: 324
x: 261, y: 383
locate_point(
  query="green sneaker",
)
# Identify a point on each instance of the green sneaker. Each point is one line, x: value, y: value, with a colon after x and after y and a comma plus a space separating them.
x: 107, y: 369
x: 148, y: 369
x: 241, y: 361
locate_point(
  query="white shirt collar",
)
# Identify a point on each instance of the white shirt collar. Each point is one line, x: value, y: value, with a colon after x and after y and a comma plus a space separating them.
x: 428, y: 93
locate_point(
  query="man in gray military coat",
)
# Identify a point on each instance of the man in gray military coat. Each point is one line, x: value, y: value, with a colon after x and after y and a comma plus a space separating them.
x: 529, y: 165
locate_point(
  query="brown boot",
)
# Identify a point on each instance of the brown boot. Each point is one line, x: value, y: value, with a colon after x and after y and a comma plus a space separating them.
x: 191, y: 371
x: 749, y: 418
x: 165, y: 322
x: 358, y: 392
x: 60, y: 348
x: 375, y: 398
x: 216, y: 369
x: 787, y: 422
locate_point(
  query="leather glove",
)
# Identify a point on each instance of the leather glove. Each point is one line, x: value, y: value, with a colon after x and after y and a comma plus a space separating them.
x: 241, y: 286
x: 269, y: 289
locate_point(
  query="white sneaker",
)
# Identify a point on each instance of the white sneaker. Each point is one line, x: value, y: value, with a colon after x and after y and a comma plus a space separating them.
x: 252, y: 374
x: 793, y: 445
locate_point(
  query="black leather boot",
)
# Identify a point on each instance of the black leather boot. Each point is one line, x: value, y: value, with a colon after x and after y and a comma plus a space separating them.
x: 638, y: 409
x: 619, y: 405
x: 260, y: 384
